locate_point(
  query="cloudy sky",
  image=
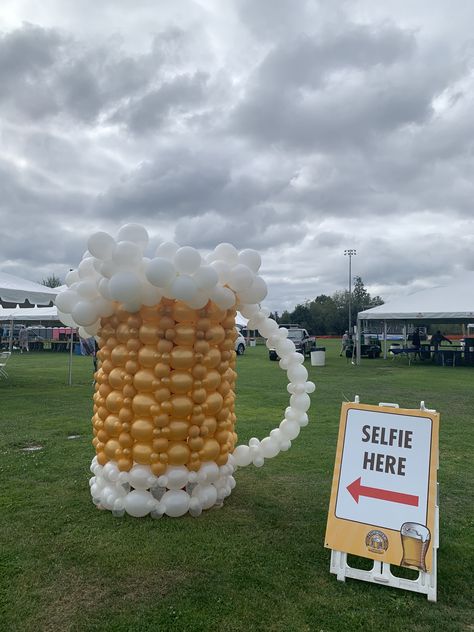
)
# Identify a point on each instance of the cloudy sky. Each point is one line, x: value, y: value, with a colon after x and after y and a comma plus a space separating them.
x: 300, y: 128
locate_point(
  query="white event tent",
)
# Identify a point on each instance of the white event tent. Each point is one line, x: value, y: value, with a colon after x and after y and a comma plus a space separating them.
x: 36, y: 314
x: 450, y: 303
x: 15, y: 290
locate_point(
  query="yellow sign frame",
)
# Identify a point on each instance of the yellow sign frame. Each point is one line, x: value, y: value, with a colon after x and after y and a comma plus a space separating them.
x: 370, y: 540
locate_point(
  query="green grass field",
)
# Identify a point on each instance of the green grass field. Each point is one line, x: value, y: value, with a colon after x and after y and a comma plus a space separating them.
x: 256, y: 564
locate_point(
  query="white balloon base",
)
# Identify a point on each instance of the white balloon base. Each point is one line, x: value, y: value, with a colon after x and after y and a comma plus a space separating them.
x: 178, y: 491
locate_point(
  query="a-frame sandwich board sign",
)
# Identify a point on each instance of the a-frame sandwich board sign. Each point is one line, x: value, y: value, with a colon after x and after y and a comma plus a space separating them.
x: 383, y: 502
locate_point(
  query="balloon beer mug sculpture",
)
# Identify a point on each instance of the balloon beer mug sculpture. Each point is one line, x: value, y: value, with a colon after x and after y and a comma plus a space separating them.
x: 164, y: 402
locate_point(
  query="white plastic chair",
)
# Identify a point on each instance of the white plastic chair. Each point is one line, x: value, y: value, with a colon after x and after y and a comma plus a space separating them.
x: 4, y: 357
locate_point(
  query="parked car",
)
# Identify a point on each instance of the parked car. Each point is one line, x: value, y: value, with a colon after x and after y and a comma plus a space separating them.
x: 304, y: 343
x: 240, y: 344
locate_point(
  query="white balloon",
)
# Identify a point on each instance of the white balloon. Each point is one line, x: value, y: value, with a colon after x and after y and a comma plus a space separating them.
x: 150, y: 295
x: 222, y: 297
x: 284, y: 347
x: 200, y: 299
x: 111, y: 471
x: 138, y: 503
x: 295, y: 358
x: 209, y: 472
x: 187, y: 259
x: 195, y: 507
x: 103, y: 288
x: 248, y: 310
x: 251, y: 259
x: 131, y: 307
x: 300, y: 402
x: 269, y: 447
x: 207, y: 494
x: 125, y: 287
x: 86, y: 268
x: 66, y: 319
x: 167, y: 250
x: 240, y: 278
x: 176, y: 503
x: 103, y: 307
x: 71, y: 277
x: 140, y: 477
x: 92, y: 330
x: 304, y: 420
x: 310, y: 387
x: 268, y: 327
x: 108, y: 269
x: 183, y: 288
x: 101, y: 245
x: 242, y: 456
x: 127, y: 253
x: 84, y: 313
x: 160, y: 272
x: 297, y: 373
x: 256, y: 292
x: 65, y: 301
x: 177, y: 477
x: 290, y: 429
x: 206, y: 277
x: 135, y: 233
x: 258, y: 461
x: 226, y: 252
x: 87, y: 289
x: 223, y: 270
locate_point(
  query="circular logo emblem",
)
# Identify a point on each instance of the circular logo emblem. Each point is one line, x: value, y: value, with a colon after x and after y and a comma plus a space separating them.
x: 376, y: 541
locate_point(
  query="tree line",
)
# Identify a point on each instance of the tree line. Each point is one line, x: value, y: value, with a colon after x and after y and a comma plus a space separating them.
x: 329, y: 315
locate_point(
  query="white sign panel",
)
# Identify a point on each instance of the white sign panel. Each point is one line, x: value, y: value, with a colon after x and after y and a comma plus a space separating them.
x: 385, y: 469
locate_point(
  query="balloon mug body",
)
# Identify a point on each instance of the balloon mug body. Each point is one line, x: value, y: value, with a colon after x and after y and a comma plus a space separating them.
x: 164, y: 408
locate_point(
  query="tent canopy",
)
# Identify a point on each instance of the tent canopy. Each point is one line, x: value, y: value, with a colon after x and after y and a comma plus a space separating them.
x: 445, y: 303
x: 16, y: 290
x: 30, y: 314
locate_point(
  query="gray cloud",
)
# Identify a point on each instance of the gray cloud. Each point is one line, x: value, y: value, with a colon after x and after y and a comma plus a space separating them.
x: 300, y: 133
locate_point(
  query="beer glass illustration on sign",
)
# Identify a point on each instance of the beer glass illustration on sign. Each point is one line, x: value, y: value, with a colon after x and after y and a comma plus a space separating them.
x: 415, y: 542
x: 164, y: 403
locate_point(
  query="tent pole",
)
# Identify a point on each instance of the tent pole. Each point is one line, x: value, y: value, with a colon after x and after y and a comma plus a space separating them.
x: 358, y: 340
x: 384, y: 339
x: 71, y: 345
x: 10, y: 338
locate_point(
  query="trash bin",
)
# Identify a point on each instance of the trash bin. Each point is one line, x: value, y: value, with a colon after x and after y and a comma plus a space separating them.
x: 252, y: 343
x: 318, y: 356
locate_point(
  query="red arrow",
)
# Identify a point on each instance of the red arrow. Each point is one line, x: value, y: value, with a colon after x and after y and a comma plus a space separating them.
x: 355, y: 489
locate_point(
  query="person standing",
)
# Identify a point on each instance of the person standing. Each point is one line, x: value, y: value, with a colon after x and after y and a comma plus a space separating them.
x: 23, y: 339
x: 437, y: 338
x: 345, y: 343
x: 416, y: 342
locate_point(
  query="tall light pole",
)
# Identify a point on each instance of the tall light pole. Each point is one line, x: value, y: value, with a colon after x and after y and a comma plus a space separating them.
x: 350, y: 253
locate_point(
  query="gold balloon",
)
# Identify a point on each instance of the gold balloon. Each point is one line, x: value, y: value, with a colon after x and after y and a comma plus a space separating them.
x: 114, y: 401
x: 142, y: 402
x: 142, y: 429
x: 119, y: 355
x: 111, y: 448
x: 165, y: 388
x: 210, y: 450
x: 178, y: 430
x: 142, y: 453
x: 144, y: 380
x: 178, y: 453
x: 181, y: 382
x: 182, y: 358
